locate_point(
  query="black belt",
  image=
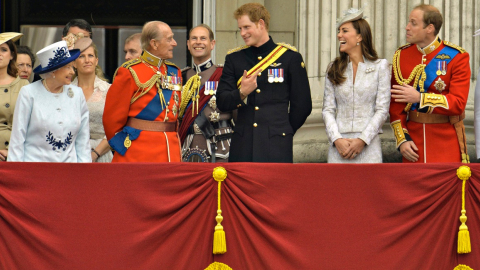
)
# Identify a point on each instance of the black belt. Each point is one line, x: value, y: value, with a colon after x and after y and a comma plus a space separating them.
x: 216, y: 125
x: 221, y: 124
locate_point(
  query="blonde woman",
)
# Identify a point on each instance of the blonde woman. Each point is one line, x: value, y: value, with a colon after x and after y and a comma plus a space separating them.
x: 90, y: 78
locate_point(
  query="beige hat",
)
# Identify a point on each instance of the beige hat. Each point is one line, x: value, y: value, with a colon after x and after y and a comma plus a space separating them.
x: 82, y: 43
x: 351, y: 15
x: 6, y: 36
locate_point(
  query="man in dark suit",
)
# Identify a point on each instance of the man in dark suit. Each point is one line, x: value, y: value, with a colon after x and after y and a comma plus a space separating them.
x: 268, y: 84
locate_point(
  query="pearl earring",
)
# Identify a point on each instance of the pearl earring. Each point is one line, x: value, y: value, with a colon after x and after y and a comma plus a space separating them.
x: 358, y: 43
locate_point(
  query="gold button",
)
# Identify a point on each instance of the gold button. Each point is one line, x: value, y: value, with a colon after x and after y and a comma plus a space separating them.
x: 258, y: 91
x: 283, y: 134
x: 256, y: 108
x: 259, y: 58
x: 259, y: 74
x: 255, y: 125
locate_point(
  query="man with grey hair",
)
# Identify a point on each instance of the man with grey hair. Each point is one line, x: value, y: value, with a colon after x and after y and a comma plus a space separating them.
x: 142, y: 105
x: 132, y: 47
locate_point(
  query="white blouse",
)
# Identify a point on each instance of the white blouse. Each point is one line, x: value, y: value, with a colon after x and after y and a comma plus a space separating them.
x: 49, y: 127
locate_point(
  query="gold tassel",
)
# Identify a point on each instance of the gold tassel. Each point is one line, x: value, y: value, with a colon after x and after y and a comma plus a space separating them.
x: 219, y: 241
x: 218, y: 266
x: 464, y: 246
x: 190, y: 91
x: 459, y: 267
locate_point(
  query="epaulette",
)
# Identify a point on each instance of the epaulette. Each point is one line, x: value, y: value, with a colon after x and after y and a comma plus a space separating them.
x: 288, y: 46
x: 131, y: 62
x: 170, y: 64
x: 219, y: 65
x: 238, y: 49
x: 404, y: 46
x: 185, y: 69
x: 449, y: 44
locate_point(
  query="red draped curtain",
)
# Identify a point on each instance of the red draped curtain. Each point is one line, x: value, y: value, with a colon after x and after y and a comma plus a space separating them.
x: 276, y: 216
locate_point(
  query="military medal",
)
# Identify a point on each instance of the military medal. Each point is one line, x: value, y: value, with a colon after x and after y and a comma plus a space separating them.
x: 270, y: 75
x: 176, y: 98
x: 280, y: 77
x: 213, y: 103
x: 444, y: 69
x: 275, y: 75
x: 70, y: 93
x: 214, y: 117
x: 440, y: 85
x: 439, y: 71
x: 174, y: 110
x: 127, y: 143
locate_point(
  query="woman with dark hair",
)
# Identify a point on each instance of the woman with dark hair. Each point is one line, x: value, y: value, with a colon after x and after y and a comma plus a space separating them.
x: 25, y: 62
x: 357, y: 94
x: 89, y: 77
x: 10, y: 86
x: 50, y: 123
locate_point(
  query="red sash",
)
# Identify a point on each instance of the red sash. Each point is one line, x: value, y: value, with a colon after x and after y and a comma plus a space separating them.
x: 204, y: 99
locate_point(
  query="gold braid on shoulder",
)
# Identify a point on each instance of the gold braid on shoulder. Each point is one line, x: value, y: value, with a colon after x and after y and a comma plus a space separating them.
x: 418, y: 75
x: 190, y: 91
x: 143, y: 88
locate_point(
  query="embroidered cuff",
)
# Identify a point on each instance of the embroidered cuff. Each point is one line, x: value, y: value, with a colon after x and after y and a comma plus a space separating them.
x: 119, y: 142
x: 399, y: 132
x: 433, y: 100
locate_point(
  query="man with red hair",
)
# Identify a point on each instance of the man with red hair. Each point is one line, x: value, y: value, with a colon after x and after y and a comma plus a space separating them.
x: 268, y: 84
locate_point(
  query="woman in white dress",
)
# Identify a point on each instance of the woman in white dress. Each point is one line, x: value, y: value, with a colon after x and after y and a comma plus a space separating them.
x: 50, y: 122
x: 94, y: 85
x: 357, y: 94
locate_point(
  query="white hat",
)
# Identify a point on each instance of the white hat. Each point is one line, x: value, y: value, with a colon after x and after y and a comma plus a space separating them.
x: 55, y: 56
x: 350, y: 15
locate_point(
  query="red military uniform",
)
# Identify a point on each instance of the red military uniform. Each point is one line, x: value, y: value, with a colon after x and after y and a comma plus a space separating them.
x: 140, y: 121
x: 441, y: 72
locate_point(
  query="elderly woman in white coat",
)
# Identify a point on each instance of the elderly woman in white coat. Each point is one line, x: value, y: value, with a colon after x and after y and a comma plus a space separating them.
x: 357, y: 95
x: 50, y: 122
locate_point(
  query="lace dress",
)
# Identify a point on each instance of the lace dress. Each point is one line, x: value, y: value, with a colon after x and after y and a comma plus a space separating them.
x: 358, y: 110
x: 95, y: 105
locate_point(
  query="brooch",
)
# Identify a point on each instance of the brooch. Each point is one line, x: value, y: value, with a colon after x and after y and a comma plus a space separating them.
x: 70, y: 93
x: 370, y: 69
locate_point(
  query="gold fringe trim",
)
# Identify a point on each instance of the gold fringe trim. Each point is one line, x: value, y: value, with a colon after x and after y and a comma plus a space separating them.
x: 464, y: 246
x: 220, y: 266
x: 219, y: 241
x: 462, y: 267
x: 190, y: 91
